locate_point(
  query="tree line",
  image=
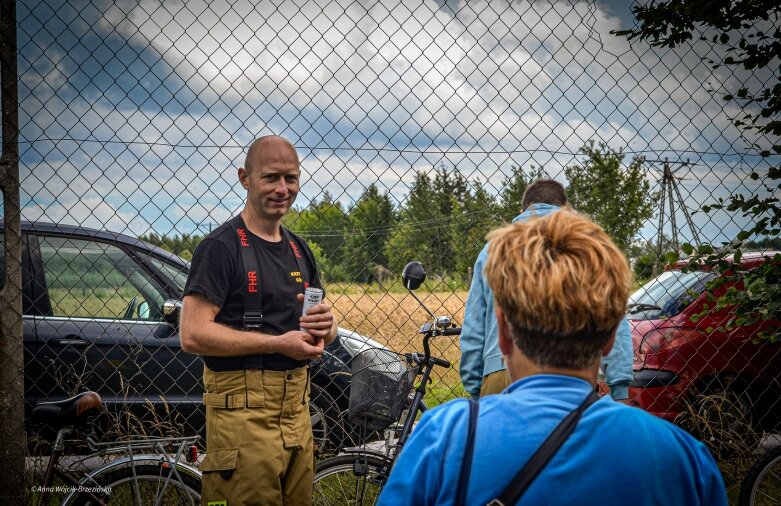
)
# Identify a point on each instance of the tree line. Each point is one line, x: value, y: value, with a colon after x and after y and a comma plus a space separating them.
x: 445, y: 218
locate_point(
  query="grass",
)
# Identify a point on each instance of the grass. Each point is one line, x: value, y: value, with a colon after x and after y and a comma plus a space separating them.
x: 99, y: 303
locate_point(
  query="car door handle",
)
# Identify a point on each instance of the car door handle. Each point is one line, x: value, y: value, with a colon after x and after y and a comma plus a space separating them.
x: 74, y: 341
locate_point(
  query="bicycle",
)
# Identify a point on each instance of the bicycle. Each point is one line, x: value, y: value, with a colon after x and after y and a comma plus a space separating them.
x: 379, y: 392
x: 762, y: 484
x: 139, y: 471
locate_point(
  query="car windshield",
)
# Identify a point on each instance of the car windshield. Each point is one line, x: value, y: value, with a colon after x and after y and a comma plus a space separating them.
x: 667, y: 294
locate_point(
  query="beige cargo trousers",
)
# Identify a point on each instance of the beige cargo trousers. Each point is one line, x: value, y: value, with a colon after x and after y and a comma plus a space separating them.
x: 258, y: 438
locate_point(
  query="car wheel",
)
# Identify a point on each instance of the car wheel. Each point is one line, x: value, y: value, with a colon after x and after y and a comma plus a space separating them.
x: 723, y: 420
x: 327, y: 428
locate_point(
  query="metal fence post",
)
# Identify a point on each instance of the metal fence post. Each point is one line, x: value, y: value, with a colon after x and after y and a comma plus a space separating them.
x: 12, y: 449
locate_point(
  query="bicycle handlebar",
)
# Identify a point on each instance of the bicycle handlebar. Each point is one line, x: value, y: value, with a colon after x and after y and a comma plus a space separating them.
x: 455, y: 331
x: 441, y: 362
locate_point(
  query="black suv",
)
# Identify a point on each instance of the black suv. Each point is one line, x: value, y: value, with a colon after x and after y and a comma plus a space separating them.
x: 100, y: 311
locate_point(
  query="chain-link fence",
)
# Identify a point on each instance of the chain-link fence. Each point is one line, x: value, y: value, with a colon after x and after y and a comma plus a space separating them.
x: 418, y: 126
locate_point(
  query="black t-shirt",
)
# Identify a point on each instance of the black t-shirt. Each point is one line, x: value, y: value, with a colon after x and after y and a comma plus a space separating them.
x: 217, y: 273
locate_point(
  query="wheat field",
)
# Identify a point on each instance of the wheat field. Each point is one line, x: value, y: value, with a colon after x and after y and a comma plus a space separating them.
x: 394, y: 319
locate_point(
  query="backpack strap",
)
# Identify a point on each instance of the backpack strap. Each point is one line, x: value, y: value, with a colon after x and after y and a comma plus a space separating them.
x: 543, y: 455
x: 469, y: 450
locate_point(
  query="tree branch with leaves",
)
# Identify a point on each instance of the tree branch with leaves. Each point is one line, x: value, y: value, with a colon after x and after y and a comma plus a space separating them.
x: 750, y: 32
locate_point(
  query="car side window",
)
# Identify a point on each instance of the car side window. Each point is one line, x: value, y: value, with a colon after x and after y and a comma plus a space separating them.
x: 175, y: 276
x: 92, y: 279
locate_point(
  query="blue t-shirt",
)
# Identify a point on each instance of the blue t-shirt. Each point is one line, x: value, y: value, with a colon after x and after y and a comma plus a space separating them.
x: 617, y: 454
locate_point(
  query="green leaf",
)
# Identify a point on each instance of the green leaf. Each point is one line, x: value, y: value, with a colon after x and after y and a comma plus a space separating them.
x: 743, y: 235
x: 672, y: 257
x: 687, y: 248
x: 705, y: 249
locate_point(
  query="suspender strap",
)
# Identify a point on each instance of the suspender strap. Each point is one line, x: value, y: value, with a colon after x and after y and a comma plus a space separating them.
x: 288, y: 238
x: 543, y: 455
x: 469, y: 450
x: 253, y: 310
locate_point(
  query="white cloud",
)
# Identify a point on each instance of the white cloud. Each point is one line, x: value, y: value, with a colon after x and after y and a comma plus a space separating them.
x: 476, y: 85
x: 91, y: 212
x: 464, y: 74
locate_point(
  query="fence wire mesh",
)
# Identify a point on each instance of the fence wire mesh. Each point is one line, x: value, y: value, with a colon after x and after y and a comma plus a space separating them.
x: 418, y: 126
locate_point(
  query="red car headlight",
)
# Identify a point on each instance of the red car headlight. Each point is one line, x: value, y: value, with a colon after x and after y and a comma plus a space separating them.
x: 665, y: 339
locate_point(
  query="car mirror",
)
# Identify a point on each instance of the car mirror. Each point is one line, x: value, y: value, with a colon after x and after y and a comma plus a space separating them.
x: 172, y: 309
x: 143, y: 311
x: 413, y: 275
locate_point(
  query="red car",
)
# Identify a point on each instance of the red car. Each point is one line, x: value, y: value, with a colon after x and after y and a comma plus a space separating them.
x: 678, y: 362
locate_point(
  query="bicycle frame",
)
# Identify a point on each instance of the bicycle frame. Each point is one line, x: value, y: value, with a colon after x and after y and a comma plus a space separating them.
x: 373, y: 467
x: 426, y: 365
x: 127, y: 456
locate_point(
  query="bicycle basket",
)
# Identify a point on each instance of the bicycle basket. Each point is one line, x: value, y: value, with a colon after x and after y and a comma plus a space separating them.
x: 381, y: 382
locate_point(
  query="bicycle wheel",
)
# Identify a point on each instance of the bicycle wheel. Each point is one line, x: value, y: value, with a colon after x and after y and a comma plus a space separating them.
x: 327, y: 430
x: 118, y: 486
x: 355, y: 479
x: 762, y: 484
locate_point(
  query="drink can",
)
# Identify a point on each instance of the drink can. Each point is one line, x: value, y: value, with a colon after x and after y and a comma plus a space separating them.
x: 312, y: 297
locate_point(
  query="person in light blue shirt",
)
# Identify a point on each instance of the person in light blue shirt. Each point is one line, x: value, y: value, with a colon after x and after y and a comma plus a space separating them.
x: 482, y: 369
x: 560, y: 288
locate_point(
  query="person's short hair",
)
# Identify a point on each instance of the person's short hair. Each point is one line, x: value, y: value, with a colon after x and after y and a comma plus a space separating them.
x: 544, y: 191
x: 562, y: 285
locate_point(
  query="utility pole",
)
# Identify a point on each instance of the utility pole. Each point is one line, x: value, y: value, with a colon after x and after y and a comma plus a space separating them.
x: 671, y: 192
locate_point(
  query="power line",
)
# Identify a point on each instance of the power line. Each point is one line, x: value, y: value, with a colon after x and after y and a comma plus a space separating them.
x: 420, y: 151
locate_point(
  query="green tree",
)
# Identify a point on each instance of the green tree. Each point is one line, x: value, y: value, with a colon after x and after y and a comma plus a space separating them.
x: 324, y: 223
x: 451, y: 192
x: 371, y: 220
x: 643, y: 255
x: 479, y: 215
x: 619, y: 200
x: 183, y: 245
x: 746, y: 34
x: 411, y: 237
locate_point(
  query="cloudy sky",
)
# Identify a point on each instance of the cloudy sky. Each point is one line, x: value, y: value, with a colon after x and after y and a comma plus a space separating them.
x: 135, y: 114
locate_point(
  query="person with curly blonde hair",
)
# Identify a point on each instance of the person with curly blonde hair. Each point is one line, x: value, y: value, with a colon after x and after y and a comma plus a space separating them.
x: 560, y: 288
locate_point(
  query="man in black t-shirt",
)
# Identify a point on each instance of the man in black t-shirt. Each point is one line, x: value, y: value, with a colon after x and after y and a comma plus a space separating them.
x: 259, y: 447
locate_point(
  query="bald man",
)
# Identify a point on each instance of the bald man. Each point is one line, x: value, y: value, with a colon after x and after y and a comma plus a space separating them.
x: 242, y: 312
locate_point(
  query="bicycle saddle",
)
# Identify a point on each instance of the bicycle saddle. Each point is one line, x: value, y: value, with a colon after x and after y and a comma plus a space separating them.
x: 69, y: 411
